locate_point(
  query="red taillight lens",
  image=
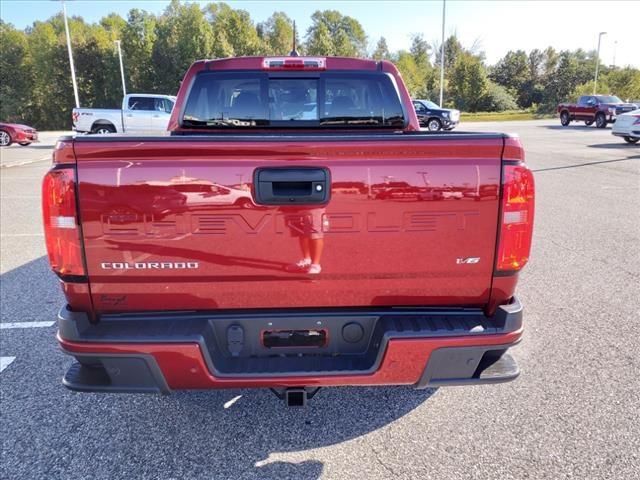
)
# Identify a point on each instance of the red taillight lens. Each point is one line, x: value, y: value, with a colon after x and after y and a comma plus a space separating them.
x: 637, y: 122
x: 61, y: 230
x: 517, y: 218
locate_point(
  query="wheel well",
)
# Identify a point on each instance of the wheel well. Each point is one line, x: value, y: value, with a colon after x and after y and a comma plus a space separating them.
x: 103, y: 123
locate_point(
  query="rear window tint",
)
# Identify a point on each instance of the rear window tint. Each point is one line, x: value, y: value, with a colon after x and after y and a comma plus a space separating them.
x: 258, y: 99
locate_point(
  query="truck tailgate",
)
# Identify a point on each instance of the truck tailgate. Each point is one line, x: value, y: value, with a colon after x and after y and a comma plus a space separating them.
x: 172, y: 224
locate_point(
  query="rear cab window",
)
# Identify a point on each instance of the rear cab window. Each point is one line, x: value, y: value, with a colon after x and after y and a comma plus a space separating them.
x: 293, y: 100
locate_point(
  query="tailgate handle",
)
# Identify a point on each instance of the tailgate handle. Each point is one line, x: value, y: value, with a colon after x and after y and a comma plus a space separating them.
x: 292, y: 186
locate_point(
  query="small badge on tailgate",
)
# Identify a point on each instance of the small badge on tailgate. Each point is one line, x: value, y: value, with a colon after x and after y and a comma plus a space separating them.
x: 468, y: 260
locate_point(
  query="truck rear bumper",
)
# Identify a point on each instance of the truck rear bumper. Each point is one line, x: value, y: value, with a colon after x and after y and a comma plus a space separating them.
x: 164, y: 352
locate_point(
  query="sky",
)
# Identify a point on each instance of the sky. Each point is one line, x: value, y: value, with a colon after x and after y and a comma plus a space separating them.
x: 494, y: 26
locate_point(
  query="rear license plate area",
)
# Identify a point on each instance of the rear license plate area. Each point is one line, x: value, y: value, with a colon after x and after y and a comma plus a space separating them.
x: 294, y: 338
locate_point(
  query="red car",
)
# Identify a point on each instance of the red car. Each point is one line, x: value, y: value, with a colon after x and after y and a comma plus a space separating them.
x: 16, y: 133
x: 313, y: 284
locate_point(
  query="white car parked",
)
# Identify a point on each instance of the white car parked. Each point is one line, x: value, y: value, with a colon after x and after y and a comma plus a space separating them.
x: 627, y: 126
x: 141, y: 114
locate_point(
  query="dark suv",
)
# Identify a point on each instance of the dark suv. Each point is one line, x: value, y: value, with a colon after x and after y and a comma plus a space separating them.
x: 433, y: 117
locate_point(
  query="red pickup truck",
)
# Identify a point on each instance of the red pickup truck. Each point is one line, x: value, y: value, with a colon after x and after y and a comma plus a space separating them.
x: 602, y: 109
x: 317, y: 281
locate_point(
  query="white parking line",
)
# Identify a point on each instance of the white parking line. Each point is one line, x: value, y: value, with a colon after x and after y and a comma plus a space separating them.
x: 22, y: 235
x: 25, y: 162
x: 4, y: 326
x: 5, y: 362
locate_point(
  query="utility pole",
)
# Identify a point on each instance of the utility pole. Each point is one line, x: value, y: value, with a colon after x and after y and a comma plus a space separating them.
x: 73, y: 70
x: 615, y: 45
x: 444, y: 4
x: 595, y: 81
x: 124, y: 87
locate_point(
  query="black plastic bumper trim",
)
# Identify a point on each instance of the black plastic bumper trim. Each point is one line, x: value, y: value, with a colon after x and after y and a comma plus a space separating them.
x: 478, y: 365
x: 115, y: 373
x: 210, y: 331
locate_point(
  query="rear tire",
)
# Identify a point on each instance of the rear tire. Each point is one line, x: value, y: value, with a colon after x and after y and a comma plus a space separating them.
x: 565, y: 118
x: 631, y: 139
x: 103, y: 129
x: 434, y: 125
x: 24, y: 144
x: 5, y: 139
x: 601, y: 120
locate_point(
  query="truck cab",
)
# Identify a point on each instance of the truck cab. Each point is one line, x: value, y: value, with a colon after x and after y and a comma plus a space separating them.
x: 144, y: 113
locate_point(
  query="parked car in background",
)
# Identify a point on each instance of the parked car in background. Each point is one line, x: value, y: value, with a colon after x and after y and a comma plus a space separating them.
x: 601, y: 109
x: 16, y: 133
x: 435, y: 118
x: 141, y: 114
x: 627, y: 126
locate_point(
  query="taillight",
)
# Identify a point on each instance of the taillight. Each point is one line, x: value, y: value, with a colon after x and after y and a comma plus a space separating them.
x: 517, y: 218
x: 74, y: 117
x: 61, y: 230
x: 637, y: 122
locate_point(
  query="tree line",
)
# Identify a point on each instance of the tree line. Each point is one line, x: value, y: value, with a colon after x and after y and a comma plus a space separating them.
x: 35, y: 86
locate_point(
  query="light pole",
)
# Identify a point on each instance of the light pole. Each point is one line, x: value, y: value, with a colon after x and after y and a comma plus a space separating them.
x: 595, y: 81
x: 124, y: 88
x: 73, y: 70
x: 444, y: 3
x: 615, y: 46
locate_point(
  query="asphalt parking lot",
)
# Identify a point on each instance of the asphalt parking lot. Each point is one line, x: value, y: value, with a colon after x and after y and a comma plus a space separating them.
x: 573, y: 413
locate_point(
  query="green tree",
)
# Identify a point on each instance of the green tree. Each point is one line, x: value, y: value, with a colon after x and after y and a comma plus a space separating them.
x: 497, y: 99
x: 15, y: 74
x: 382, y: 50
x: 277, y: 34
x: 468, y: 82
x: 320, y: 42
x: 235, y: 31
x: 452, y: 49
x: 562, y: 82
x: 624, y: 82
x: 183, y: 36
x: 138, y: 38
x: 512, y: 72
x: 420, y: 50
x: 98, y: 70
x: 411, y: 75
x: 51, y: 98
x: 332, y: 33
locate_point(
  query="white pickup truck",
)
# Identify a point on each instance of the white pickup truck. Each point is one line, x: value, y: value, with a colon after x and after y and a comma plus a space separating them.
x: 141, y: 113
